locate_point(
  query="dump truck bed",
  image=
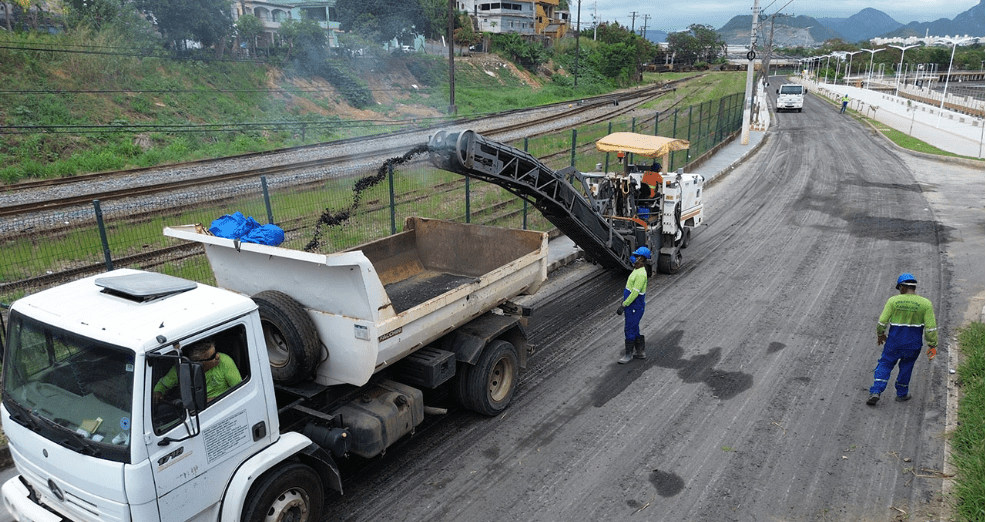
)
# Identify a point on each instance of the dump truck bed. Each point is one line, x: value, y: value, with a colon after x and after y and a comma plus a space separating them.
x: 376, y: 303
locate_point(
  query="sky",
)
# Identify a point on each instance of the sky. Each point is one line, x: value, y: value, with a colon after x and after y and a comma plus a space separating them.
x: 677, y: 16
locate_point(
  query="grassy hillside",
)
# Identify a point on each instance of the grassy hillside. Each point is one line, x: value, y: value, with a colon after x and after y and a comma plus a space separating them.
x: 86, y: 102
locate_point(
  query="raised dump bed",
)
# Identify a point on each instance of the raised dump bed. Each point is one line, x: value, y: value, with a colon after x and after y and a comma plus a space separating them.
x: 376, y: 303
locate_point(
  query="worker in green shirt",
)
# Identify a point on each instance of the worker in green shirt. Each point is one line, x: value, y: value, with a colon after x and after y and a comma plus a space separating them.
x: 632, y: 306
x: 845, y: 103
x: 906, y: 318
x: 221, y: 372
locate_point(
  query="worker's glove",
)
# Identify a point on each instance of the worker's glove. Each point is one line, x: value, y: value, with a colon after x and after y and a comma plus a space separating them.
x: 881, y: 338
x: 619, y: 310
x: 932, y: 352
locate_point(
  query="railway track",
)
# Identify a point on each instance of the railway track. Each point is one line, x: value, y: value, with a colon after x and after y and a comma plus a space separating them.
x: 605, y: 107
x: 620, y: 104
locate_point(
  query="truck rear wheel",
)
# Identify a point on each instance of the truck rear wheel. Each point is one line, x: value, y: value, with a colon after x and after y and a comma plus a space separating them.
x: 488, y: 387
x: 292, y: 341
x: 289, y: 493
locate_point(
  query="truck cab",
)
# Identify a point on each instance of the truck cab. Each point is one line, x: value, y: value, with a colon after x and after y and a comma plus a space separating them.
x: 89, y: 440
x: 791, y: 97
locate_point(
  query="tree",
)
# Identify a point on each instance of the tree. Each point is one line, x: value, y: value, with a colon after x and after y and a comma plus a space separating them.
x: 436, y: 11
x: 620, y: 52
x: 204, y: 21
x: 528, y: 54
x: 699, y: 43
x: 248, y: 28
x: 305, y: 34
x: 382, y: 20
x: 96, y: 13
x: 464, y: 34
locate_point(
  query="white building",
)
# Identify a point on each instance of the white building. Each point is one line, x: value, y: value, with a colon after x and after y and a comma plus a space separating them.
x: 926, y: 40
x: 501, y: 17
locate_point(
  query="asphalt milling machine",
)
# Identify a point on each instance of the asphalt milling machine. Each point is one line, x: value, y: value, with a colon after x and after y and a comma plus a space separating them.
x: 607, y: 214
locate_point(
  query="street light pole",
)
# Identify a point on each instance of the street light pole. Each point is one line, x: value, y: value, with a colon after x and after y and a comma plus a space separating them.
x: 901, y: 66
x: 827, y: 57
x: 849, y: 65
x: 955, y: 42
x: 870, y: 73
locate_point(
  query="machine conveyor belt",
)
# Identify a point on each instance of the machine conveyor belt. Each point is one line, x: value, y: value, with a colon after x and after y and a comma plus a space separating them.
x: 552, y: 193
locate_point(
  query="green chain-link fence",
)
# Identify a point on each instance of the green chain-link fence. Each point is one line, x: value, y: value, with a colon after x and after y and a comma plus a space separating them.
x: 323, y: 213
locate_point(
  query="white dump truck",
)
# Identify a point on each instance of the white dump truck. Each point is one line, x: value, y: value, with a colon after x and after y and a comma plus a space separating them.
x: 137, y: 396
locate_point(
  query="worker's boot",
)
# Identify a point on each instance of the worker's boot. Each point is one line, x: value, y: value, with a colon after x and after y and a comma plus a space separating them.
x: 638, y: 348
x: 628, y: 352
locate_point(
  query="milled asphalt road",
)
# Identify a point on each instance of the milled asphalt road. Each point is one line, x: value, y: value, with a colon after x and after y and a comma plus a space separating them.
x: 750, y: 405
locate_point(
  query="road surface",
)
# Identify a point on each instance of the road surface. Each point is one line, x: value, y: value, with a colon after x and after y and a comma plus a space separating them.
x: 751, y: 405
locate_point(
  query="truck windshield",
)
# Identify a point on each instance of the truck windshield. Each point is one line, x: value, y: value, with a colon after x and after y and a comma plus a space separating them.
x: 790, y: 89
x: 72, y: 390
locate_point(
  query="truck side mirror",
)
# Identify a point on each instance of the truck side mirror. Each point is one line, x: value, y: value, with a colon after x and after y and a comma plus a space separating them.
x: 778, y: 91
x: 192, y: 379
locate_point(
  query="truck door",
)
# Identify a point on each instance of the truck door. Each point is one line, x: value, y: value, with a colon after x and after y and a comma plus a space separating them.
x: 192, y: 462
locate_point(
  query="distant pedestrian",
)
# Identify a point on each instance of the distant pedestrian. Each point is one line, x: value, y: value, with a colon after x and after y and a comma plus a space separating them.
x: 632, y: 306
x: 845, y: 103
x: 905, y: 319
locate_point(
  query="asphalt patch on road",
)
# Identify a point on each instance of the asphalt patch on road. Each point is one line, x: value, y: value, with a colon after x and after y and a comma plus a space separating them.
x: 330, y: 218
x: 666, y: 483
x: 667, y: 353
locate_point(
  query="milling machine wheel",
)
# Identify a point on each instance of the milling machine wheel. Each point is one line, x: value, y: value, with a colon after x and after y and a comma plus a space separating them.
x: 669, y: 263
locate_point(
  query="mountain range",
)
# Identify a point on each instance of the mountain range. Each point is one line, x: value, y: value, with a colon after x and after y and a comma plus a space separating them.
x: 794, y: 31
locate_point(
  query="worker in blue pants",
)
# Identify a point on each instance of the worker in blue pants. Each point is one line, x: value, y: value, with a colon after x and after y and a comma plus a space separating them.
x: 906, y: 318
x: 632, y: 306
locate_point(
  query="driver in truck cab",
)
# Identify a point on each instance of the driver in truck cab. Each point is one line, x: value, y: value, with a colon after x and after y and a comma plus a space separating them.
x: 221, y: 372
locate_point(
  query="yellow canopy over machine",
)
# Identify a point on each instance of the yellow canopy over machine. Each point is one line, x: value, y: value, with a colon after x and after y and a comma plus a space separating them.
x: 640, y: 144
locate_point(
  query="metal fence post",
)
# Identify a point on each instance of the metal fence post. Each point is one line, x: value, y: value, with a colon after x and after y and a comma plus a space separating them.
x: 524, y: 224
x: 657, y: 119
x: 674, y: 134
x: 575, y: 135
x: 102, y: 235
x: 393, y: 205
x: 609, y: 131
x: 263, y: 186
x: 467, y: 200
x: 690, y: 111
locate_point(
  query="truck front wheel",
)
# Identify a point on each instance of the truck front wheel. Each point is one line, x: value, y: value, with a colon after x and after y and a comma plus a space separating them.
x: 488, y: 387
x: 292, y: 341
x: 291, y: 493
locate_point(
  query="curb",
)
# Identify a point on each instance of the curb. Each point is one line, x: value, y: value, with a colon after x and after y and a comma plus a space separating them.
x: 741, y: 159
x: 945, y: 159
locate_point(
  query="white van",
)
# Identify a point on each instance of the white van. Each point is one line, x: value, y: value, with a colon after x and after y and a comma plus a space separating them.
x: 790, y: 96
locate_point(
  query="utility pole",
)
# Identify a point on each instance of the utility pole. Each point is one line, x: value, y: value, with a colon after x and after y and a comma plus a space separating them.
x: 451, y: 61
x: 767, y: 53
x: 595, y: 20
x: 578, y: 30
x: 750, y: 56
x: 643, y: 32
x: 633, y: 20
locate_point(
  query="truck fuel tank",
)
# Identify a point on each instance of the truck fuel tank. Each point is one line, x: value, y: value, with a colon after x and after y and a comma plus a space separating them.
x: 383, y: 413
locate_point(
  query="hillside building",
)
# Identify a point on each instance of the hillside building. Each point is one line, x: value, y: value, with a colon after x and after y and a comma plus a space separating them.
x: 539, y: 17
x: 272, y: 12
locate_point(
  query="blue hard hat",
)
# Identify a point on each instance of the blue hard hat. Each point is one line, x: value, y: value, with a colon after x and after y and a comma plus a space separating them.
x: 906, y: 278
x: 642, y: 251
